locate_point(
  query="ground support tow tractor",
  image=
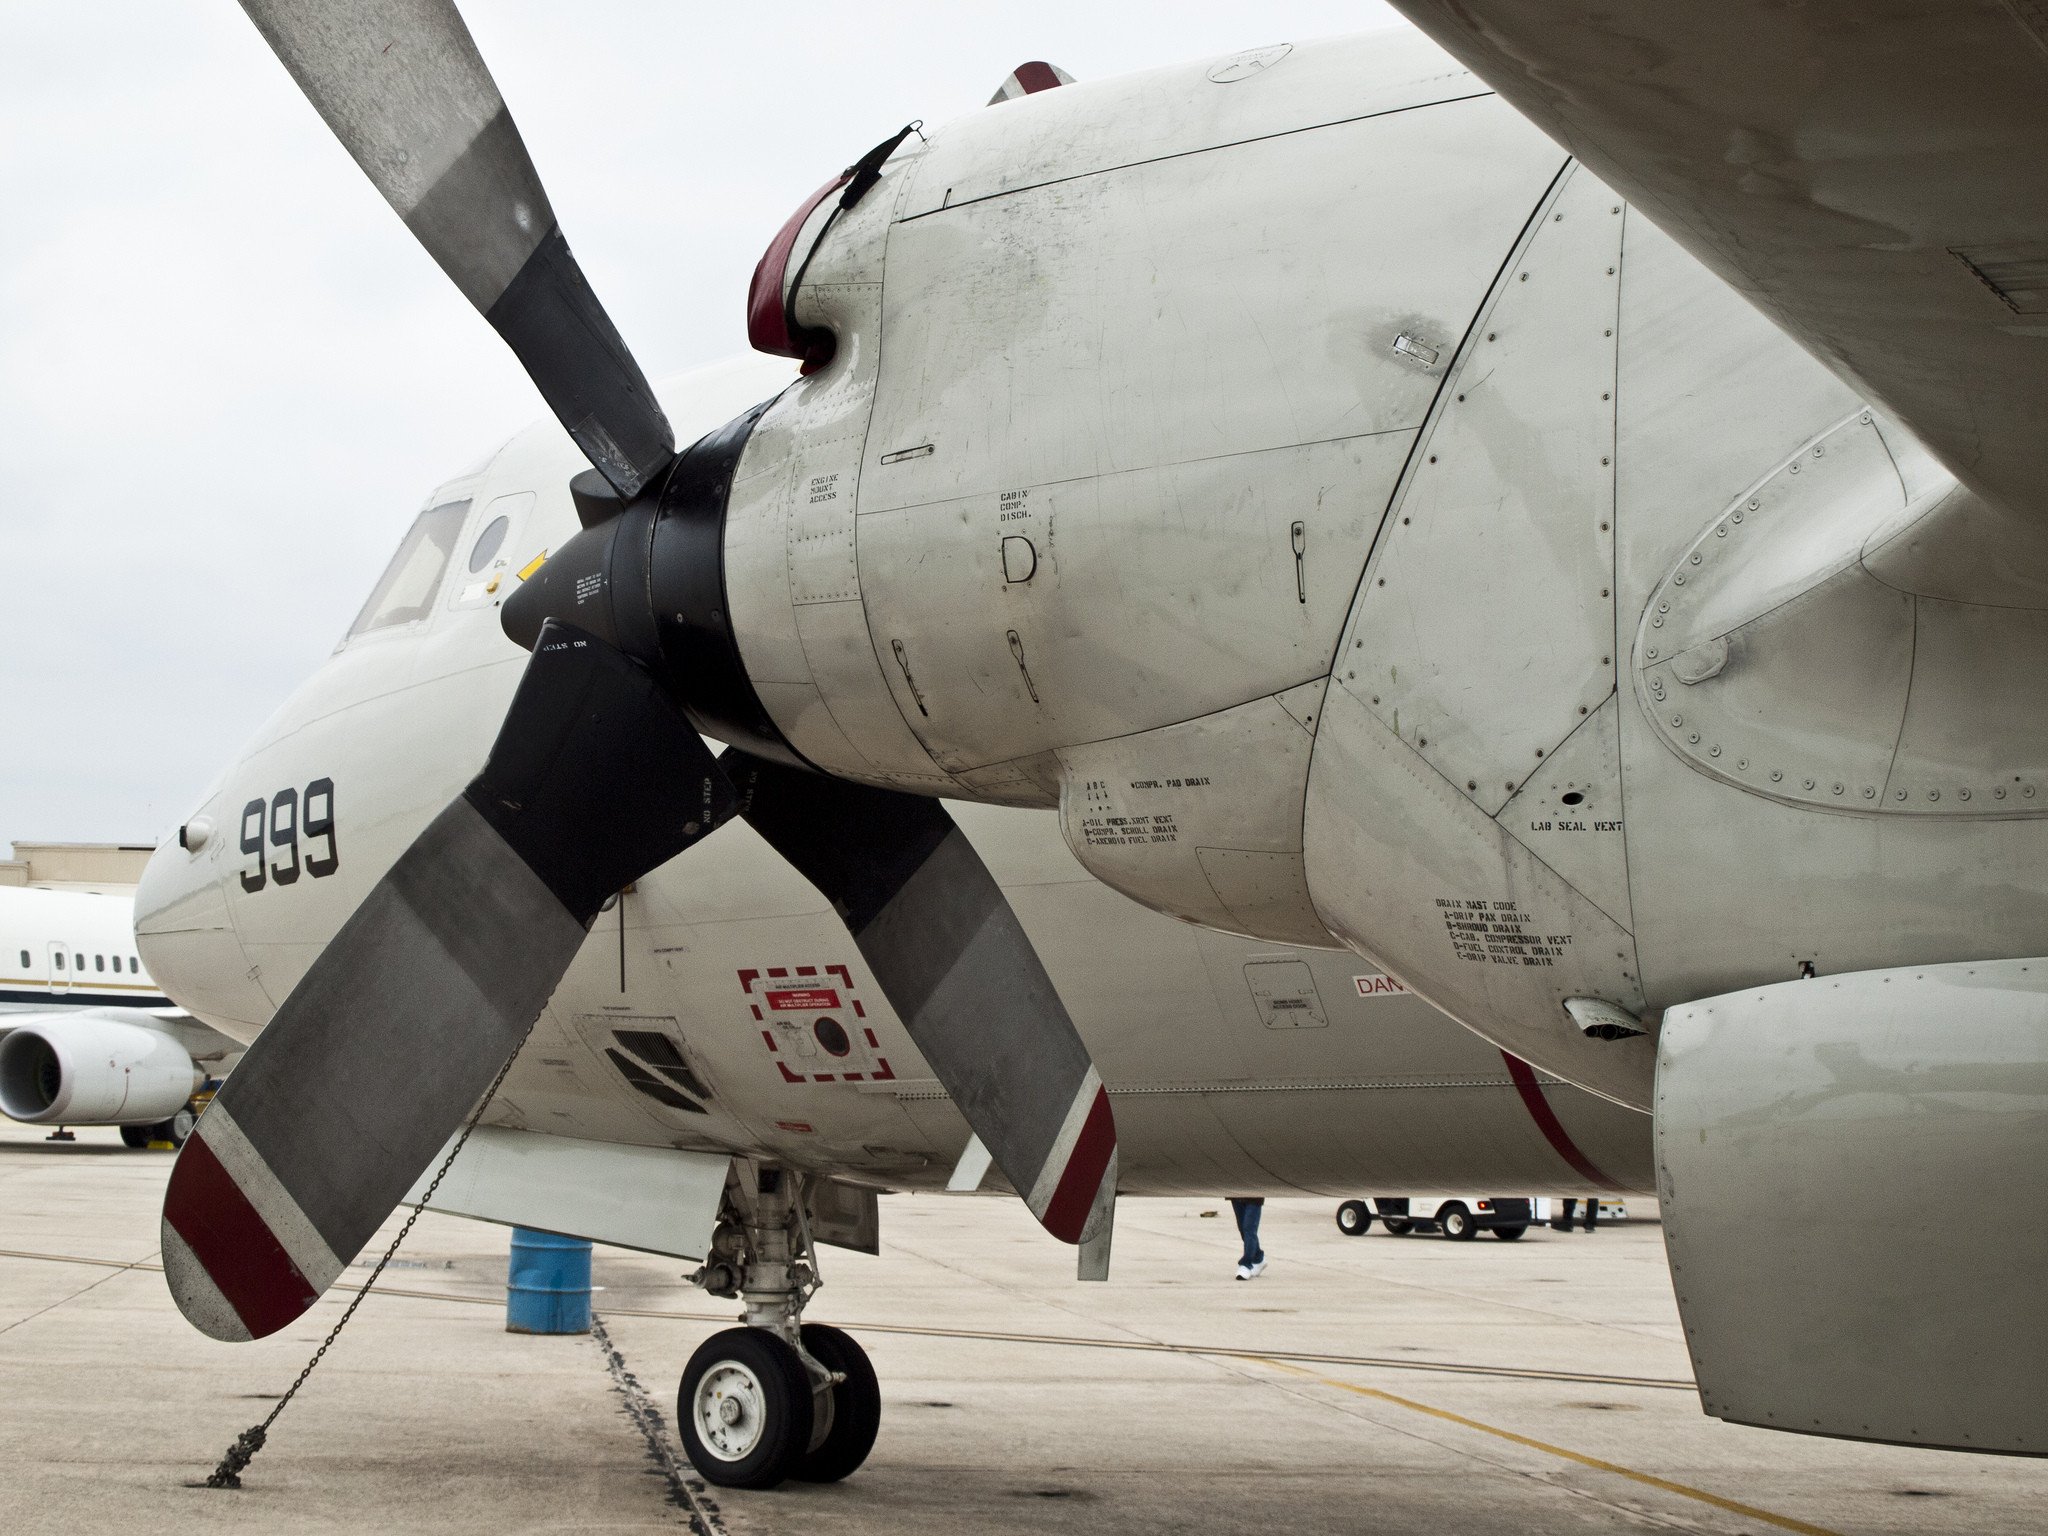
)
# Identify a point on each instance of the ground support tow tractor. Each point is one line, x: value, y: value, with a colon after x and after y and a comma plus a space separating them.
x: 777, y: 1397
x: 1459, y: 1218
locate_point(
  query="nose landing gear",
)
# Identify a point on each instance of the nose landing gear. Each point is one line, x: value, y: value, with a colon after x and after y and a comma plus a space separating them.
x: 779, y: 1397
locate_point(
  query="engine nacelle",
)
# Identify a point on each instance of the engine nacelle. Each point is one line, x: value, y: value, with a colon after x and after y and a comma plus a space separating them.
x: 1849, y: 1169
x: 93, y: 1071
x: 1075, y: 512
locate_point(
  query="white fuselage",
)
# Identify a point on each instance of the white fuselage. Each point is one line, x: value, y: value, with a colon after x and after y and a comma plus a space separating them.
x: 71, y: 949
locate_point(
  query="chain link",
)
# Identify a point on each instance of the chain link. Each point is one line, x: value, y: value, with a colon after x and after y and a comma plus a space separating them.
x: 251, y: 1440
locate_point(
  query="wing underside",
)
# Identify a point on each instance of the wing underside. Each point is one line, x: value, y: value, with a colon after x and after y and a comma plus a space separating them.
x: 1867, y: 172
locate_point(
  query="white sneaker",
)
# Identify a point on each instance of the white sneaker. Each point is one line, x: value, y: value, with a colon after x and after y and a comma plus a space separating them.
x: 1255, y: 1270
x: 1245, y: 1271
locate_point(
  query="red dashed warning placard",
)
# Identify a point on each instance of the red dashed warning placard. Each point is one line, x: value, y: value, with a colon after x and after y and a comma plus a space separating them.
x: 814, y: 1024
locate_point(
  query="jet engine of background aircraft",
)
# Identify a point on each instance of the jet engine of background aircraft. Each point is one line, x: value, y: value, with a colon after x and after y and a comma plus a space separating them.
x: 79, y: 1070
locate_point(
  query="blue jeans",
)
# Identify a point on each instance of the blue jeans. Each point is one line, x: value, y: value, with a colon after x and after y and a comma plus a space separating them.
x: 1247, y: 1214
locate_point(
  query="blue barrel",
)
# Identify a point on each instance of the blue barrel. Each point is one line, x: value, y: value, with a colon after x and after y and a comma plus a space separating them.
x: 548, y: 1287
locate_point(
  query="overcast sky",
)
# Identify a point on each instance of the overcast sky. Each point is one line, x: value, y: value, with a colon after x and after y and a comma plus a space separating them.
x: 227, y: 374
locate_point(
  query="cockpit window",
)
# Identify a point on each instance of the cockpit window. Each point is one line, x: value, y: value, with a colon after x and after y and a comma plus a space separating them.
x: 406, y: 590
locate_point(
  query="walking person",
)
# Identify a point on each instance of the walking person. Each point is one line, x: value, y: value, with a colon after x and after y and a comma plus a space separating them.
x: 1247, y: 1212
x: 1564, y: 1223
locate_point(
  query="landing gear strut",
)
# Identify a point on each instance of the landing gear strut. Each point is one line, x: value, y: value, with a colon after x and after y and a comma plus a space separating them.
x: 779, y: 1397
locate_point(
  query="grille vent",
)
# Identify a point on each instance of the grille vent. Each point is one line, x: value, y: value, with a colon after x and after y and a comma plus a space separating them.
x: 650, y: 1063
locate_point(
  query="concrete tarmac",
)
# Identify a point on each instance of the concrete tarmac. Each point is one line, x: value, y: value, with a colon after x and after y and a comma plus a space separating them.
x: 1530, y: 1387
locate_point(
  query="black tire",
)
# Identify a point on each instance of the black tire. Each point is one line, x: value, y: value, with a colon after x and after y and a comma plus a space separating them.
x: 1509, y: 1234
x: 855, y: 1406
x: 1456, y: 1223
x: 1354, y: 1218
x: 770, y: 1391
x: 1397, y: 1226
x: 175, y: 1129
x: 137, y: 1136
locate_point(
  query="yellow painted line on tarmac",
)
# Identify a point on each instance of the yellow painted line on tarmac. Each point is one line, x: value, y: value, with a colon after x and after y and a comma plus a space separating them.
x: 1684, y: 1491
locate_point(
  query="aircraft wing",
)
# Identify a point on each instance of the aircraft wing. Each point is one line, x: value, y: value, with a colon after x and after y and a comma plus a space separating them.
x: 1868, y: 172
x: 203, y: 1043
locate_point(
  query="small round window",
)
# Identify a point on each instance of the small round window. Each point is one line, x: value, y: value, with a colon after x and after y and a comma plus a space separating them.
x: 487, y: 543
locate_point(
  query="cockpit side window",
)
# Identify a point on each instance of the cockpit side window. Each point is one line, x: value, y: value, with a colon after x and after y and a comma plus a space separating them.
x: 406, y: 590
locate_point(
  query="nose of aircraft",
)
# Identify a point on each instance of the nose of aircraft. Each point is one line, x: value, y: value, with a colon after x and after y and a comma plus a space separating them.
x: 186, y: 935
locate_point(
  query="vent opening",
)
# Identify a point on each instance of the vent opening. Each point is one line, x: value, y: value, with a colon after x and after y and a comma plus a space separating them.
x: 645, y: 1082
x: 659, y: 1052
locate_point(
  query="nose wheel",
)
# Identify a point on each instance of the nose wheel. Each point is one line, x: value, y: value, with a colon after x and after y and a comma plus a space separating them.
x: 753, y: 1414
x: 745, y: 1408
x: 173, y: 1130
x: 848, y: 1412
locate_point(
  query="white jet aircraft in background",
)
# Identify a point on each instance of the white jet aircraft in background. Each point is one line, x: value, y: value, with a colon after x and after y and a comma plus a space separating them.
x: 87, y: 1037
x: 1607, y: 592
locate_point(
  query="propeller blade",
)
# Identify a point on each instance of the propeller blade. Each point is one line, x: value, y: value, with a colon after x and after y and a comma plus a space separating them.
x: 428, y: 989
x: 947, y: 949
x: 403, y: 87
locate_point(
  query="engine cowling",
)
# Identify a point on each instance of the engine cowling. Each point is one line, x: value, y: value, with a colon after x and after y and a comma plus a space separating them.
x: 93, y: 1071
x: 1074, y: 511
x: 1848, y: 1168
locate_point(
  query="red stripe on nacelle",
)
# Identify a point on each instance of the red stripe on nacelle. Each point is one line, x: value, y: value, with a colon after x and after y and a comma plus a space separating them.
x: 769, y: 327
x: 1067, y: 1212
x: 1553, y: 1128
x: 206, y: 1207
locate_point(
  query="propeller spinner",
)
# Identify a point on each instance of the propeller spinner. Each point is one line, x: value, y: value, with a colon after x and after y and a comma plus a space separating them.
x: 598, y: 774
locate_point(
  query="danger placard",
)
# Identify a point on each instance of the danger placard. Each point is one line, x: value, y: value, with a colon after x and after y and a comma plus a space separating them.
x: 801, y: 999
x: 1377, y: 986
x: 814, y: 1024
